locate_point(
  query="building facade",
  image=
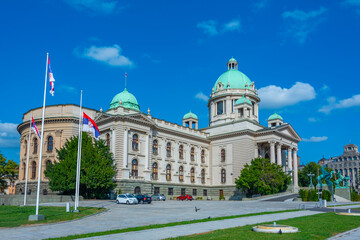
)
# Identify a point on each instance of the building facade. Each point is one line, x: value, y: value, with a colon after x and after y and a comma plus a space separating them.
x: 156, y: 156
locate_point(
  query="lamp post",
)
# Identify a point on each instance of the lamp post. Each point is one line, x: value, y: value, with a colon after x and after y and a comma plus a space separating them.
x: 311, y: 183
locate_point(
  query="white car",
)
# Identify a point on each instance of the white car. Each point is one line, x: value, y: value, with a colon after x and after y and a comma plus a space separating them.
x: 126, y: 198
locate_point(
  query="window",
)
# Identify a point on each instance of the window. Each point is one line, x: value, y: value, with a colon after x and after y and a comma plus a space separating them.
x: 33, y: 170
x: 345, y: 159
x: 108, y: 140
x: 253, y: 108
x: 181, y: 173
x: 135, y: 142
x: 181, y: 152
x: 137, y: 190
x: 203, y: 156
x: 25, y: 148
x: 156, y: 190
x: 154, y: 171
x: 50, y: 144
x: 204, y: 192
x: 168, y: 172
x: 134, y: 168
x: 192, y: 154
x: 35, y: 145
x: 168, y: 150
x: 194, y: 192
x: 170, y: 191
x: 203, y: 176
x: 220, y: 108
x: 155, y: 147
x: 223, y: 176
x: 183, y: 191
x: 223, y: 155
x: 192, y: 175
x: 48, y: 163
x: 24, y: 166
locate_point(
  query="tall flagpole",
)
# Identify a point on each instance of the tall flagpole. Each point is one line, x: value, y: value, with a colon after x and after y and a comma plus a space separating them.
x: 27, y: 161
x: 42, y: 138
x: 78, y: 162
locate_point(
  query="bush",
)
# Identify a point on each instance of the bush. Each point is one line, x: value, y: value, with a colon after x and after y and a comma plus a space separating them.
x: 120, y: 192
x: 355, y: 197
x: 222, y: 198
x: 312, y: 196
x: 199, y: 198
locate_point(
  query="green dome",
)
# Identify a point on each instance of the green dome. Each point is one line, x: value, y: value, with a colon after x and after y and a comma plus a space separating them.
x: 235, y: 78
x: 127, y: 101
x: 243, y: 100
x: 275, y: 116
x: 232, y: 60
x: 190, y: 115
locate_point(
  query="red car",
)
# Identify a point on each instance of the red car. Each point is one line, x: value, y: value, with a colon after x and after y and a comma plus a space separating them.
x: 185, y: 197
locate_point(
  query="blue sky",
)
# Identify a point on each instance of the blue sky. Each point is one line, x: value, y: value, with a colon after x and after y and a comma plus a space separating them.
x: 302, y: 55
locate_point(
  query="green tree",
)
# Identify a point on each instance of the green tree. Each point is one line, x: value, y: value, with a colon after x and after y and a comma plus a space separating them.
x: 262, y: 177
x: 97, y: 169
x: 311, y: 167
x: 8, y: 170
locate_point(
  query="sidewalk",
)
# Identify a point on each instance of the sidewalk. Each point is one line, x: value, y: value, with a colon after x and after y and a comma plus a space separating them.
x: 189, y: 229
x: 353, y: 234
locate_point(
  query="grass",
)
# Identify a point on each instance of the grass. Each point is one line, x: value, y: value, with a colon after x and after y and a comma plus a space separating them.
x: 133, y: 229
x: 15, y: 216
x: 321, y: 226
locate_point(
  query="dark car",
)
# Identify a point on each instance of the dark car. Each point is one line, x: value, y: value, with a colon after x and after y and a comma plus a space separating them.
x: 185, y: 197
x: 143, y: 198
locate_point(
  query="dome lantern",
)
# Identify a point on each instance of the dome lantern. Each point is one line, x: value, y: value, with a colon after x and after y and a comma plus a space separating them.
x: 232, y: 64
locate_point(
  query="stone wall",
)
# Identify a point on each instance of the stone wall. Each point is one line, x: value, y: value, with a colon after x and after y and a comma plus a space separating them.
x: 343, y: 192
x: 32, y: 188
x: 31, y: 199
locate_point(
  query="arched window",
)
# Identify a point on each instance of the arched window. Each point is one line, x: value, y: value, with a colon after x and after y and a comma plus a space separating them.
x: 223, y: 176
x: 134, y: 168
x: 192, y: 154
x: 33, y: 170
x: 25, y: 148
x: 181, y: 152
x: 35, y: 145
x: 168, y: 149
x: 155, y: 147
x: 154, y: 171
x: 203, y: 156
x: 192, y: 175
x: 48, y: 163
x: 135, y: 142
x: 24, y: 166
x: 181, y: 174
x: 168, y: 172
x: 203, y: 176
x: 108, y: 140
x: 50, y: 144
x: 137, y: 190
x: 222, y: 155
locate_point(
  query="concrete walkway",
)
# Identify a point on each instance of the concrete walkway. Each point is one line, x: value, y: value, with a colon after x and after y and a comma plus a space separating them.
x: 353, y: 234
x: 189, y: 229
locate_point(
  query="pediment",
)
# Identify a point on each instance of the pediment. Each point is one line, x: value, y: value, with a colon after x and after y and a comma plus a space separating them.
x: 139, y: 118
x: 289, y: 131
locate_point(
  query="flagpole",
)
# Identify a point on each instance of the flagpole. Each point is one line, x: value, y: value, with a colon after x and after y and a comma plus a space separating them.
x: 27, y: 160
x: 78, y: 162
x: 42, y: 138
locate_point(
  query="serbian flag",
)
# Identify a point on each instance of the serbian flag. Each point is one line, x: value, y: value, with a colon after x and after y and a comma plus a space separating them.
x: 34, y: 128
x: 89, y: 125
x: 51, y: 79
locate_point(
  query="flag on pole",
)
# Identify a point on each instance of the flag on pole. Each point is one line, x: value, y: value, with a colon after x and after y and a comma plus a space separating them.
x: 51, y: 79
x: 89, y: 125
x: 34, y: 128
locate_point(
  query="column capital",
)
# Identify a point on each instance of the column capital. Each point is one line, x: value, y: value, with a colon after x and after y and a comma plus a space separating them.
x: 272, y: 143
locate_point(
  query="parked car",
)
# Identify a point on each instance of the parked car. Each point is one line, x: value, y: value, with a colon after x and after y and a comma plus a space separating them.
x: 126, y: 198
x: 143, y: 198
x: 185, y: 197
x: 158, y: 197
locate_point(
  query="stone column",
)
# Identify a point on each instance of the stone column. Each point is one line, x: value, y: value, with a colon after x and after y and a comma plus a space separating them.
x: 353, y: 177
x: 125, y: 156
x: 112, y: 147
x: 296, y: 181
x: 175, y: 170
x: 256, y: 153
x: 278, y: 154
x: 147, y: 151
x: 187, y: 168
x: 289, y: 159
x: 228, y: 106
x: 272, y: 152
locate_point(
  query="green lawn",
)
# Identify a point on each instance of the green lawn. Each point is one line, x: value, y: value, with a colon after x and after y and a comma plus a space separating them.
x: 321, y: 226
x: 15, y: 216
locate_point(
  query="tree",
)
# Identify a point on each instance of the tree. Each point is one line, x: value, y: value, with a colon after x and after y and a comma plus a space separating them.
x: 311, y: 167
x: 262, y: 177
x: 97, y: 169
x: 8, y: 170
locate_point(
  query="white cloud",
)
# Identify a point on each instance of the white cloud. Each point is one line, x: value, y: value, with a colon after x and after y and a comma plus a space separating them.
x: 354, y: 101
x: 9, y: 137
x: 315, y: 139
x: 273, y: 97
x: 95, y: 6
x: 211, y: 27
x: 353, y: 3
x: 300, y: 24
x: 312, y: 119
x: 233, y: 25
x: 324, y: 88
x: 202, y: 96
x: 261, y: 4
x: 110, y: 55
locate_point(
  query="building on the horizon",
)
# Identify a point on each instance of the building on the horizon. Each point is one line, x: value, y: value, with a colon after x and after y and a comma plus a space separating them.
x: 347, y: 164
x: 157, y: 156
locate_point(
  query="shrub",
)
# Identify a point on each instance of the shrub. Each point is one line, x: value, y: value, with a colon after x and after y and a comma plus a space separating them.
x: 199, y: 198
x: 120, y: 191
x: 222, y: 198
x: 312, y: 196
x: 355, y: 197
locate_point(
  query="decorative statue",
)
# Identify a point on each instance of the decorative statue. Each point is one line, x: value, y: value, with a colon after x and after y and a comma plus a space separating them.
x: 325, y: 175
x: 340, y: 179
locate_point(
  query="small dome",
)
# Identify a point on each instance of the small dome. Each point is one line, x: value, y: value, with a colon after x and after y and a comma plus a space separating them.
x: 127, y: 101
x: 232, y: 60
x: 190, y: 115
x: 275, y: 116
x: 243, y: 100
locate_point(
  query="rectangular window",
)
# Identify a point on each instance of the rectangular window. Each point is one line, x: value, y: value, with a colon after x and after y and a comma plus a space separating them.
x: 170, y: 191
x: 253, y: 108
x: 156, y: 190
x: 194, y: 192
x: 220, y: 108
x: 205, y: 193
x: 183, y: 191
